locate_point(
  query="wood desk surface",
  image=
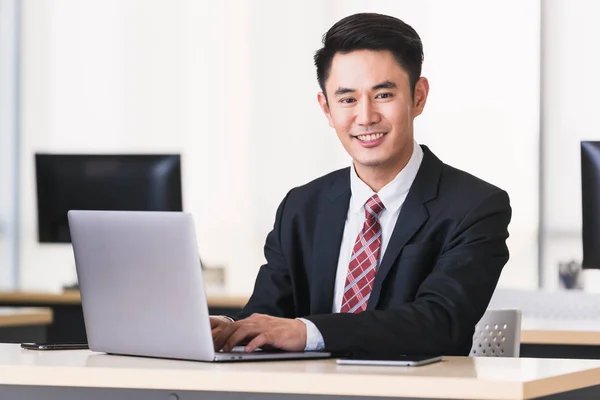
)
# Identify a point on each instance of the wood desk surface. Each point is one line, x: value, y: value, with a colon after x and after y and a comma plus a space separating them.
x: 455, y: 377
x: 72, y: 297
x: 23, y: 297
x: 24, y: 316
x: 563, y: 332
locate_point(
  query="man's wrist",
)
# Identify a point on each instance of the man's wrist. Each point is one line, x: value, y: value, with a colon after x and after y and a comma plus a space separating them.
x: 314, y: 339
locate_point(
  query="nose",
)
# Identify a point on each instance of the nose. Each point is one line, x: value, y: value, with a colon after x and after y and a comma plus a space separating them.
x: 366, y: 113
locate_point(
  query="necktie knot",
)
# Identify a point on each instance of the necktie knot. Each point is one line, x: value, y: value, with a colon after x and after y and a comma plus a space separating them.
x: 373, y: 207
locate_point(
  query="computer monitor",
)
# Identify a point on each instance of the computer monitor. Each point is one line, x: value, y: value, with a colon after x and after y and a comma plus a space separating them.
x: 590, y: 202
x: 141, y: 182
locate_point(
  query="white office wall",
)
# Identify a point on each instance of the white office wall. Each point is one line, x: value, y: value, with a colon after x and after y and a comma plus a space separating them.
x: 231, y: 86
x: 8, y: 141
x: 571, y: 83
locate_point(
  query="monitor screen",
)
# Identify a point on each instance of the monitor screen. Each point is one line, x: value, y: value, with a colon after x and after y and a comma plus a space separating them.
x: 102, y: 182
x: 590, y: 203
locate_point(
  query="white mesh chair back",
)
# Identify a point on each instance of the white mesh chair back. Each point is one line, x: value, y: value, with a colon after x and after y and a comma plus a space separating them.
x: 497, y: 334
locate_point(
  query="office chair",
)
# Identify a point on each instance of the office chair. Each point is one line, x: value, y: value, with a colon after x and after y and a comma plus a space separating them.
x: 497, y: 334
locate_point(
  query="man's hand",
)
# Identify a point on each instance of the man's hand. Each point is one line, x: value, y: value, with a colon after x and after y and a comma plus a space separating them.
x: 262, y: 331
x: 217, y: 324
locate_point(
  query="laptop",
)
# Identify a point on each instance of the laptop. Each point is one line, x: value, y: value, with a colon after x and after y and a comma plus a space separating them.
x: 142, y: 290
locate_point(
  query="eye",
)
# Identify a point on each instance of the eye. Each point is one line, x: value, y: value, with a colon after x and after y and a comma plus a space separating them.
x: 383, y: 96
x: 347, y: 100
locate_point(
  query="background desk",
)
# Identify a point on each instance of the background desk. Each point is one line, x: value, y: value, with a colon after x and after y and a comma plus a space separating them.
x: 24, y: 324
x: 68, y: 325
x: 563, y: 323
x: 560, y: 338
x: 26, y: 374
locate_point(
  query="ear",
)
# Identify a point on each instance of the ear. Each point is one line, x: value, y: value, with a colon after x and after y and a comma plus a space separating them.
x: 420, y: 96
x: 325, y: 107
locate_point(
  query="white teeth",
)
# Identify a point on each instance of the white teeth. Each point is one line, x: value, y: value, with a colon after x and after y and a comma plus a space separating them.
x: 370, y: 137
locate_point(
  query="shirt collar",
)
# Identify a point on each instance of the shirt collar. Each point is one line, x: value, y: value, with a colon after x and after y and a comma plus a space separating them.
x: 393, y: 194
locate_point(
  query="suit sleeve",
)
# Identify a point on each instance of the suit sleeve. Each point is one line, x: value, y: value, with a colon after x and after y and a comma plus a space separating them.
x: 272, y: 293
x: 449, y: 302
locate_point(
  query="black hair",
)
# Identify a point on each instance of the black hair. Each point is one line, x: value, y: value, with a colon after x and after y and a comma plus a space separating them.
x: 370, y: 31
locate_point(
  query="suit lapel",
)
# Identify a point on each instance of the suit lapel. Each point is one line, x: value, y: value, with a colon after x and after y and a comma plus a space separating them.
x: 327, y: 242
x: 412, y: 216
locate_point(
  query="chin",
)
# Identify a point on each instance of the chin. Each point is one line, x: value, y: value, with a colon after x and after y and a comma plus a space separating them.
x: 372, y: 162
x: 369, y: 158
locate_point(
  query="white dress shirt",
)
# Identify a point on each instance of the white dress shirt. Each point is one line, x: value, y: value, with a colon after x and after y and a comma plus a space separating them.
x: 392, y: 196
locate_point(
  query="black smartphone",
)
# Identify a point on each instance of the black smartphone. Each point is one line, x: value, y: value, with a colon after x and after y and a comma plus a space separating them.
x: 402, y: 361
x: 54, y: 346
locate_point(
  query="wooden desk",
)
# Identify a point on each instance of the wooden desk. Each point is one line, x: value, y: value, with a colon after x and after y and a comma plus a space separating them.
x: 24, y: 324
x: 235, y: 302
x: 72, y: 297
x: 67, y: 325
x: 24, y: 316
x: 26, y: 298
x: 560, y: 338
x: 540, y: 331
x: 84, y: 374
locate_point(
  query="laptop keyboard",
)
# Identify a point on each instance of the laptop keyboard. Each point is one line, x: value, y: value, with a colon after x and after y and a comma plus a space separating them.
x: 237, y: 350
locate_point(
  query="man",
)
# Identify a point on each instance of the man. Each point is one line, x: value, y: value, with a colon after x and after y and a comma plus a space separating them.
x: 400, y: 253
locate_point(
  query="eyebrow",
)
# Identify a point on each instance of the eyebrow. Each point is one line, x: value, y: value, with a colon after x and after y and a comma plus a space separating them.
x: 383, y: 85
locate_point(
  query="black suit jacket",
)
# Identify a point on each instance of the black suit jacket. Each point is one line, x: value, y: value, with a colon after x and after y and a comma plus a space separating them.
x: 435, y: 280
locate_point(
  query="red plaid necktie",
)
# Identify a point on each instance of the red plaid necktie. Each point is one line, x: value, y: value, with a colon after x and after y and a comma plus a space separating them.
x: 364, y: 260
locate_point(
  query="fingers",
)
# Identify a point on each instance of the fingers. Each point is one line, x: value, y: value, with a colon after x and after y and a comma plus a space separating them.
x: 261, y: 340
x: 216, y: 331
x: 223, y: 335
x: 227, y: 336
x: 217, y: 324
x: 244, y: 331
x: 216, y: 321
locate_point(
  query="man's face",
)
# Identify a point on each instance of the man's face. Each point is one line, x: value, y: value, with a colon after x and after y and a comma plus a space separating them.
x: 369, y: 104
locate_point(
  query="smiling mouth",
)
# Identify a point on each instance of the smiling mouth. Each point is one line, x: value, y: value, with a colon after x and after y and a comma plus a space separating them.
x: 369, y: 137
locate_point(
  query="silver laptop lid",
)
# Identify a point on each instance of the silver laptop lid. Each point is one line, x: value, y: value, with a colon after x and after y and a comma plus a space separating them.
x: 141, y: 283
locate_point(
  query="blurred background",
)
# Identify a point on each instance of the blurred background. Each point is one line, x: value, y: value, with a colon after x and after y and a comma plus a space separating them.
x: 230, y: 86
